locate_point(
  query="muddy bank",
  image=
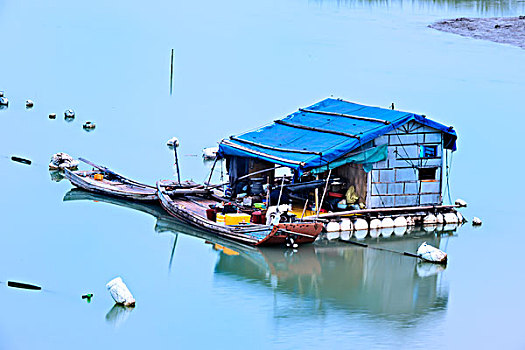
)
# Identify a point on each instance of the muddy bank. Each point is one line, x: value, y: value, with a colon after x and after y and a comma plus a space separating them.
x: 505, y: 30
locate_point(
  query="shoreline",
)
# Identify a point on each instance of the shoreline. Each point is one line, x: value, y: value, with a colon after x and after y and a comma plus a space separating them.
x: 503, y: 30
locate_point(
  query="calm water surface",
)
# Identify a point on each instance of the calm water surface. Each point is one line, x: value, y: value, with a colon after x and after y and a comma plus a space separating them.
x: 240, y: 64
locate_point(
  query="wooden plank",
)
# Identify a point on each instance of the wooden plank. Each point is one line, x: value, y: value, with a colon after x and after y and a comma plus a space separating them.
x: 345, y: 115
x: 310, y: 128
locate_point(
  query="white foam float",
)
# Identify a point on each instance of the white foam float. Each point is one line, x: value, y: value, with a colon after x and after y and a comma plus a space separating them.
x: 361, y: 234
x: 399, y: 231
x: 332, y: 235
x: 333, y: 226
x: 29, y: 103
x: 400, y: 221
x: 374, y: 233
x: 120, y: 292
x: 450, y: 218
x: 430, y: 219
x: 360, y: 225
x: 375, y: 224
x: 461, y: 203
x: 387, y: 222
x: 431, y: 254
x: 387, y: 231
x: 346, y: 225
x: 440, y: 219
x: 346, y: 235
x: 476, y: 221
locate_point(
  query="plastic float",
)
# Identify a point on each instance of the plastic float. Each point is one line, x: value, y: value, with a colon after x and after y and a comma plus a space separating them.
x: 476, y: 221
x: 431, y: 254
x: 120, y: 292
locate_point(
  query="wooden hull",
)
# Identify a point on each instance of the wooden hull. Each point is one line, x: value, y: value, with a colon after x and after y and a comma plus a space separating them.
x: 188, y: 211
x: 84, y: 180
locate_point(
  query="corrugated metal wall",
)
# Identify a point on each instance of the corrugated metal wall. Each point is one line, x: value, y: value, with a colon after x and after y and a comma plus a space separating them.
x: 395, y: 181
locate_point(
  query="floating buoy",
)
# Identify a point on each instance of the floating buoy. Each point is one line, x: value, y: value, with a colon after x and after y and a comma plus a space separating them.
x: 461, y: 203
x: 361, y: 234
x: 440, y: 219
x: 450, y: 218
x: 210, y: 152
x: 173, y: 142
x: 399, y: 231
x: 69, y: 114
x: 29, y: 103
x: 21, y: 160
x: 120, y: 292
x: 333, y: 226
x: 360, y: 224
x: 23, y: 285
x: 4, y: 101
x: 476, y: 221
x: 387, y: 231
x: 375, y: 224
x: 52, y: 115
x: 431, y: 254
x: 430, y: 219
x: 345, y: 235
x: 89, y: 125
x: 346, y: 225
x: 387, y: 222
x: 400, y: 221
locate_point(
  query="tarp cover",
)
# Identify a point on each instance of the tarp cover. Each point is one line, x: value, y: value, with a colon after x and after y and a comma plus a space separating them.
x: 300, y: 147
x: 367, y: 157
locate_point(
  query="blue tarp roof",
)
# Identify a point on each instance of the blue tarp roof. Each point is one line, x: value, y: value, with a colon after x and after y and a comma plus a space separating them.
x: 322, y: 133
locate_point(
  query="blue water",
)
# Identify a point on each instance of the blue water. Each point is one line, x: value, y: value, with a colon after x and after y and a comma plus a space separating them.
x: 239, y: 65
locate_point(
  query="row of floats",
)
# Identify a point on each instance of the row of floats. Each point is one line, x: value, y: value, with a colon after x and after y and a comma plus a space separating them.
x: 387, y: 226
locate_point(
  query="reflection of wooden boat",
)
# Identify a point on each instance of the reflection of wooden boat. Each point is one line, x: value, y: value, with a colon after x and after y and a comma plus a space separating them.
x: 192, y: 210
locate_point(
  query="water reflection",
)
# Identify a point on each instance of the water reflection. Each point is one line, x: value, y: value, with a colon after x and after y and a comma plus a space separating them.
x: 326, y: 274
x: 118, y: 315
x: 482, y: 7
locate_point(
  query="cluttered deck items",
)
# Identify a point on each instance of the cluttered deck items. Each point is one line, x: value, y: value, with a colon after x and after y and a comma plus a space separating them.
x: 336, y: 165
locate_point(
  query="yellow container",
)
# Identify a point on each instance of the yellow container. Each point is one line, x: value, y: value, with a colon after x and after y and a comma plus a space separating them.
x: 99, y: 177
x: 220, y: 219
x: 236, y: 219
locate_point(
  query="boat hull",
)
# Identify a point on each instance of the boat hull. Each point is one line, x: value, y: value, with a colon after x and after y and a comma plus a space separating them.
x: 130, y: 192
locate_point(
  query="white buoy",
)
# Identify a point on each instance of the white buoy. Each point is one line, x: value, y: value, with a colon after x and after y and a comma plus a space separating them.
x: 29, y: 103
x: 345, y: 235
x: 431, y: 254
x: 399, y: 231
x: 387, y: 222
x: 210, y: 152
x: 461, y: 202
x: 89, y: 125
x: 440, y: 219
x: 375, y: 224
x: 430, y: 219
x: 400, y: 221
x: 69, y: 113
x: 476, y: 221
x: 4, y: 101
x: 173, y: 142
x: 332, y: 235
x: 374, y: 233
x: 360, y: 225
x: 333, y: 226
x: 120, y: 292
x: 386, y: 231
x: 450, y: 218
x: 360, y: 234
x: 346, y: 225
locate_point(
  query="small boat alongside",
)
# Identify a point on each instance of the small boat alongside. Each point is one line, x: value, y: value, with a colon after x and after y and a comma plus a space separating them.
x: 104, y: 181
x: 192, y: 206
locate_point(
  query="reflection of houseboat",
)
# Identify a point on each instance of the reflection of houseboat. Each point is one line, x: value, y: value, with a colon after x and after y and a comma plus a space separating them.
x: 349, y: 278
x: 351, y: 159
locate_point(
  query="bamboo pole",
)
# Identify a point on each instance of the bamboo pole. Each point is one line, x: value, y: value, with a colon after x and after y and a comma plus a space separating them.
x: 171, y: 73
x: 324, y: 192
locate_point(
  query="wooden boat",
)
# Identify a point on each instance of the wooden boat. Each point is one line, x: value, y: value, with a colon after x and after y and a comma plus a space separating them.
x: 191, y: 208
x: 104, y: 181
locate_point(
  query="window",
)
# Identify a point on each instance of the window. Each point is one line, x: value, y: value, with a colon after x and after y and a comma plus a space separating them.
x: 427, y: 174
x: 427, y: 151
